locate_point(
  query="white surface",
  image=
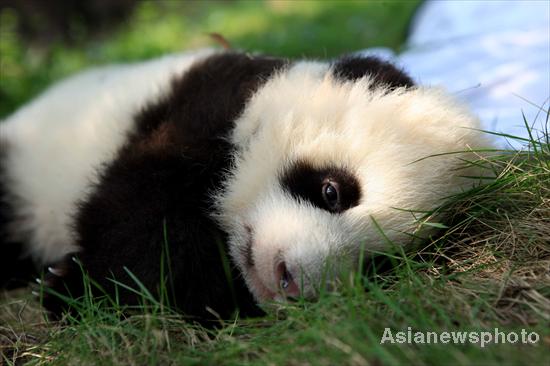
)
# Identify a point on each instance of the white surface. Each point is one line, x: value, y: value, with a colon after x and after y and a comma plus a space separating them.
x: 493, y: 55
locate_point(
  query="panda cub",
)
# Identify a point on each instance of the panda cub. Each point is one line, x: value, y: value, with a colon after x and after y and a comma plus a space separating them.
x: 231, y: 179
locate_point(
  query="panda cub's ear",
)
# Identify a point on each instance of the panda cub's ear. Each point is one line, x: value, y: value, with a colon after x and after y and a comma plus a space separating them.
x: 382, y: 73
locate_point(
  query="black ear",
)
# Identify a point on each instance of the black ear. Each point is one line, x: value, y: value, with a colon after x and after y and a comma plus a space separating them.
x: 382, y: 73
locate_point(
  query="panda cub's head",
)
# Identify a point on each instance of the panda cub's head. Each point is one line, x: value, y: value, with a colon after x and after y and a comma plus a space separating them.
x: 326, y: 156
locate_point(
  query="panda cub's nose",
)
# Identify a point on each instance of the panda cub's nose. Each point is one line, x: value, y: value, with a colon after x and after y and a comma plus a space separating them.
x: 287, y: 285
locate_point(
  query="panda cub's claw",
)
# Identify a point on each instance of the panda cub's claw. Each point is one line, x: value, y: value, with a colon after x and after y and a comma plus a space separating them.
x: 60, y: 282
x: 48, y: 280
x: 56, y: 271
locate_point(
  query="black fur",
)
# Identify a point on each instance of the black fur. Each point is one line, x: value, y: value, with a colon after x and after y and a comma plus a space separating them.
x: 15, y: 269
x: 382, y: 73
x: 247, y: 251
x: 160, y: 181
x: 305, y: 181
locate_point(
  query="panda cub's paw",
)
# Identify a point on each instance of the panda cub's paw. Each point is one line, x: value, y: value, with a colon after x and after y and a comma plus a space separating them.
x: 60, y: 284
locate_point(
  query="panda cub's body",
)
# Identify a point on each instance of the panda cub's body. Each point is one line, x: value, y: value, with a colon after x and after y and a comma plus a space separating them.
x: 283, y: 166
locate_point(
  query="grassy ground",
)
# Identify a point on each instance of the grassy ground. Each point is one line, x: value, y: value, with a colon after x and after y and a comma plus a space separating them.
x: 489, y: 267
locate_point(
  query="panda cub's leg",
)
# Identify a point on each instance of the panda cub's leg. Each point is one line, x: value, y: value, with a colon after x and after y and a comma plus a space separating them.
x: 147, y: 222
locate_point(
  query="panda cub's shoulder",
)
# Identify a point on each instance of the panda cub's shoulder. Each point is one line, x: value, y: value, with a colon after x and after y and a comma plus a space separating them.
x: 56, y: 144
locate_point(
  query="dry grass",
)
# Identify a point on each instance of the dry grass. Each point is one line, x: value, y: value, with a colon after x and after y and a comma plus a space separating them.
x: 23, y: 329
x: 501, y: 237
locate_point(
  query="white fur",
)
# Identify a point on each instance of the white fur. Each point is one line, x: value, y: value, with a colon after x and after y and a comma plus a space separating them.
x: 304, y: 114
x: 58, y: 143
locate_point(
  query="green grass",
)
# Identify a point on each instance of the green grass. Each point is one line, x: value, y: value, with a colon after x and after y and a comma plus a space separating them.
x: 488, y: 267
x: 286, y: 28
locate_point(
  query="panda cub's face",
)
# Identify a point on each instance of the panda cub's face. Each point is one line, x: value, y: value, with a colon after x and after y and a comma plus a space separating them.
x: 321, y: 163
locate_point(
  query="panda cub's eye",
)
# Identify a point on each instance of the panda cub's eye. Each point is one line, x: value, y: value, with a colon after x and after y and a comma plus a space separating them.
x: 330, y: 188
x: 331, y: 195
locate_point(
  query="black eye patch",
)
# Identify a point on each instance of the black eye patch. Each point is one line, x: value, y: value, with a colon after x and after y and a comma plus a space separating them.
x: 306, y: 182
